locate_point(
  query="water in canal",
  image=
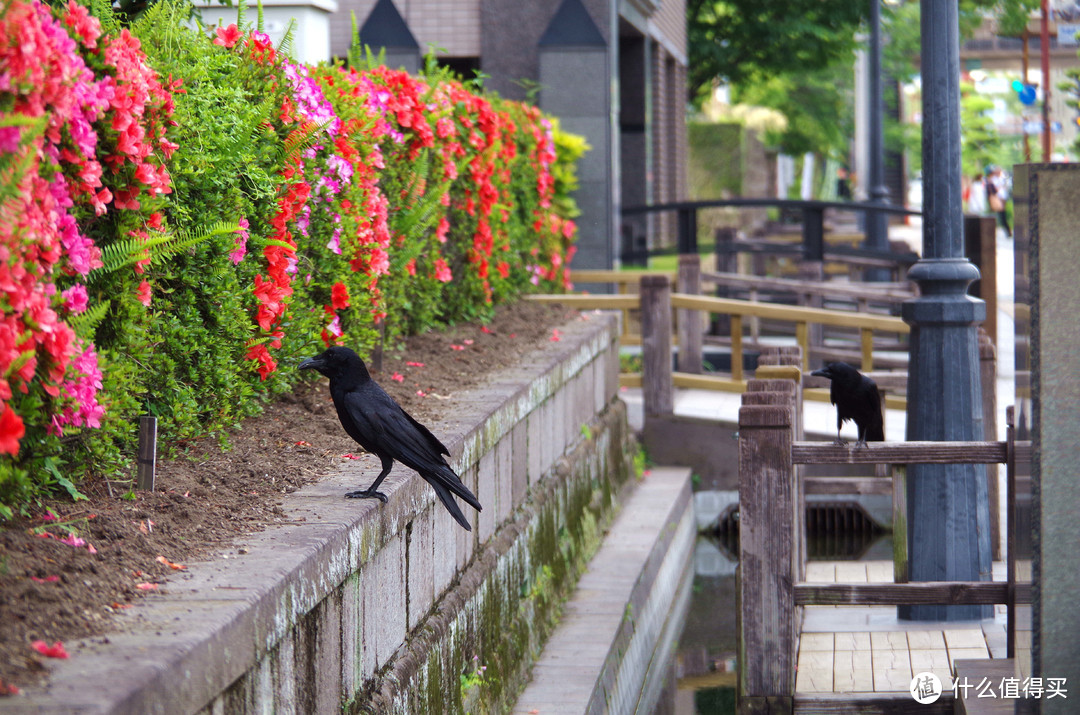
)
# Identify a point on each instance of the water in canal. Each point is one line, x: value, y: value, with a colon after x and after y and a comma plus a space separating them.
x: 701, y: 675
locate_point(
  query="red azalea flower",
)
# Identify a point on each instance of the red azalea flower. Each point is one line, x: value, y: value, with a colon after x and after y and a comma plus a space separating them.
x: 228, y: 36
x: 143, y: 293
x: 11, y: 431
x: 339, y: 296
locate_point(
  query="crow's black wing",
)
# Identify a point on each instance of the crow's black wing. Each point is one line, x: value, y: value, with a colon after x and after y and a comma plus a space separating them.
x: 868, y: 412
x: 388, y: 430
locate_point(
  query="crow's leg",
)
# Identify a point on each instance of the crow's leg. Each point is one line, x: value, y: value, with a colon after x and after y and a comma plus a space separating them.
x: 370, y: 492
x: 839, y: 440
x: 861, y: 442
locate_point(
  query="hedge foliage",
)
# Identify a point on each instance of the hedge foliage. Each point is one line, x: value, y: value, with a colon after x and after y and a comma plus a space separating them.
x: 187, y: 212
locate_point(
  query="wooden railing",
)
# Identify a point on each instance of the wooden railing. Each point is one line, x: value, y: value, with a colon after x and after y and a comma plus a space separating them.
x: 772, y: 587
x: 655, y: 301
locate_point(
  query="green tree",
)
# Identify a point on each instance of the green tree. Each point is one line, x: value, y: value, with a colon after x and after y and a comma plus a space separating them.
x: 980, y: 138
x: 741, y: 40
x: 816, y: 104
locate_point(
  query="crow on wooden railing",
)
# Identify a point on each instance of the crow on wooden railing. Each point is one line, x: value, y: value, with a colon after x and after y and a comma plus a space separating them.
x: 856, y: 398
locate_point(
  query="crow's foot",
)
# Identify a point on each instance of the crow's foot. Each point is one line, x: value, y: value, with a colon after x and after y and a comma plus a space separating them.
x: 861, y: 444
x: 366, y: 494
x: 840, y: 442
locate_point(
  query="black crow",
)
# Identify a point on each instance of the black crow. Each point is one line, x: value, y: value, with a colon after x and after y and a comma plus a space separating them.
x: 856, y: 398
x: 378, y: 423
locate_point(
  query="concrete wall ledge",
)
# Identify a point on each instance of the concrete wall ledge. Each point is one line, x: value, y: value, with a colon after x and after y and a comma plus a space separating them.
x: 618, y: 629
x: 365, y: 607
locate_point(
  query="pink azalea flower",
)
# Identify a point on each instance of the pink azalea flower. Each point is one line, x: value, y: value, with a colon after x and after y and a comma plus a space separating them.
x: 56, y: 650
x: 75, y: 298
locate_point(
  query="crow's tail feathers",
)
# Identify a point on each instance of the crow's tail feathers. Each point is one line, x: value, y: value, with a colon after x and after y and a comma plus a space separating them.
x: 445, y: 481
x: 451, y: 506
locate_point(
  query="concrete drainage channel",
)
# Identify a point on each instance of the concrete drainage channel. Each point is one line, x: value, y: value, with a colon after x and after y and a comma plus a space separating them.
x: 363, y: 607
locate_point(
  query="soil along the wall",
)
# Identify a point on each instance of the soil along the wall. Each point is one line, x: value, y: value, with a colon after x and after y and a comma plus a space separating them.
x: 391, y: 607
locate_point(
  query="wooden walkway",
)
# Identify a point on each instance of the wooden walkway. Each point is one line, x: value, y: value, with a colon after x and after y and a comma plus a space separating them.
x: 866, y: 649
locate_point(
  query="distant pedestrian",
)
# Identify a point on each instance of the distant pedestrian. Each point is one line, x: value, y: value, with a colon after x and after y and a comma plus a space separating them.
x: 997, y: 193
x: 843, y: 187
x: 977, y: 195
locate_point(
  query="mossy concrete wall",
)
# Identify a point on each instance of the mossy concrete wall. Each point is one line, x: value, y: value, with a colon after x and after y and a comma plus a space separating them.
x: 370, y: 607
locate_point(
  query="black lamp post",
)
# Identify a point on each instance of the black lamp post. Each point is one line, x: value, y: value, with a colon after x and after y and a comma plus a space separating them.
x: 877, y: 225
x: 948, y: 505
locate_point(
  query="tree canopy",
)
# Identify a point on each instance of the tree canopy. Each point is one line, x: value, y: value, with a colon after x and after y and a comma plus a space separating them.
x: 738, y: 40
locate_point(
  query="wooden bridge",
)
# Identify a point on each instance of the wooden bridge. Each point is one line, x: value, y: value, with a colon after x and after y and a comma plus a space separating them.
x: 795, y: 659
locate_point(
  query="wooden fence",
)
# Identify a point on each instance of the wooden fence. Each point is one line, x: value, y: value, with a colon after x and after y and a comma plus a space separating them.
x: 772, y: 538
x: 655, y: 301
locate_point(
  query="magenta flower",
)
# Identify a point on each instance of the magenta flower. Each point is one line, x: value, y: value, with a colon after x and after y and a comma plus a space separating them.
x: 76, y: 299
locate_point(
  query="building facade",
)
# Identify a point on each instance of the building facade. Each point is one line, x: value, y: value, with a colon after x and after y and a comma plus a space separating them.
x: 611, y: 70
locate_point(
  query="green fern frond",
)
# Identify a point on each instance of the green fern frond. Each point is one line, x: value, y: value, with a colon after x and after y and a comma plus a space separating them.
x: 296, y: 142
x: 157, y: 248
x: 259, y: 16
x: 84, y: 325
x: 286, y: 43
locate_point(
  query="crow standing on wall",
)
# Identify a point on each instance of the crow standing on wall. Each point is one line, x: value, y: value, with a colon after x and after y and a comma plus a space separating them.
x: 377, y: 422
x: 856, y: 398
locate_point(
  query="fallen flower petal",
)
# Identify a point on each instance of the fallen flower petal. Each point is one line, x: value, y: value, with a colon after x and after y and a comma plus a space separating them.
x: 118, y: 606
x: 350, y: 455
x: 397, y: 377
x: 47, y: 579
x: 468, y: 341
x: 56, y: 650
x: 303, y: 443
x: 72, y: 540
x: 487, y: 330
x: 415, y: 364
x: 146, y: 586
x: 8, y: 689
x: 90, y: 548
x: 49, y: 516
x: 556, y: 336
x: 170, y: 564
x: 421, y: 393
x: 457, y: 347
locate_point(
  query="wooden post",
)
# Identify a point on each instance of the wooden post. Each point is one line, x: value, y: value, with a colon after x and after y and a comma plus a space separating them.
x: 785, y: 364
x: 736, y: 347
x: 899, y: 523
x: 147, y: 459
x: 727, y: 261
x: 813, y: 270
x: 657, y: 385
x: 866, y: 340
x: 988, y: 380
x: 980, y: 247
x: 689, y: 321
x: 1010, y: 530
x: 767, y: 573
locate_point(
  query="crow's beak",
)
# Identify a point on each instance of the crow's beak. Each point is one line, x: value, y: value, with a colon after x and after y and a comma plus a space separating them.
x: 824, y: 372
x: 310, y: 364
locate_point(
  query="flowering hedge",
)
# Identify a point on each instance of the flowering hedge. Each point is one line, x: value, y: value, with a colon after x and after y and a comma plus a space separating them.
x: 184, y: 214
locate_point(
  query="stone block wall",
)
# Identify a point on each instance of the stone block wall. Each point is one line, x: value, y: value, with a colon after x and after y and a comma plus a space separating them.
x: 371, y: 607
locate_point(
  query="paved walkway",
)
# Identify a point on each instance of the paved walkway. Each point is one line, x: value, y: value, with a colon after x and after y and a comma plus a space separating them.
x: 626, y: 611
